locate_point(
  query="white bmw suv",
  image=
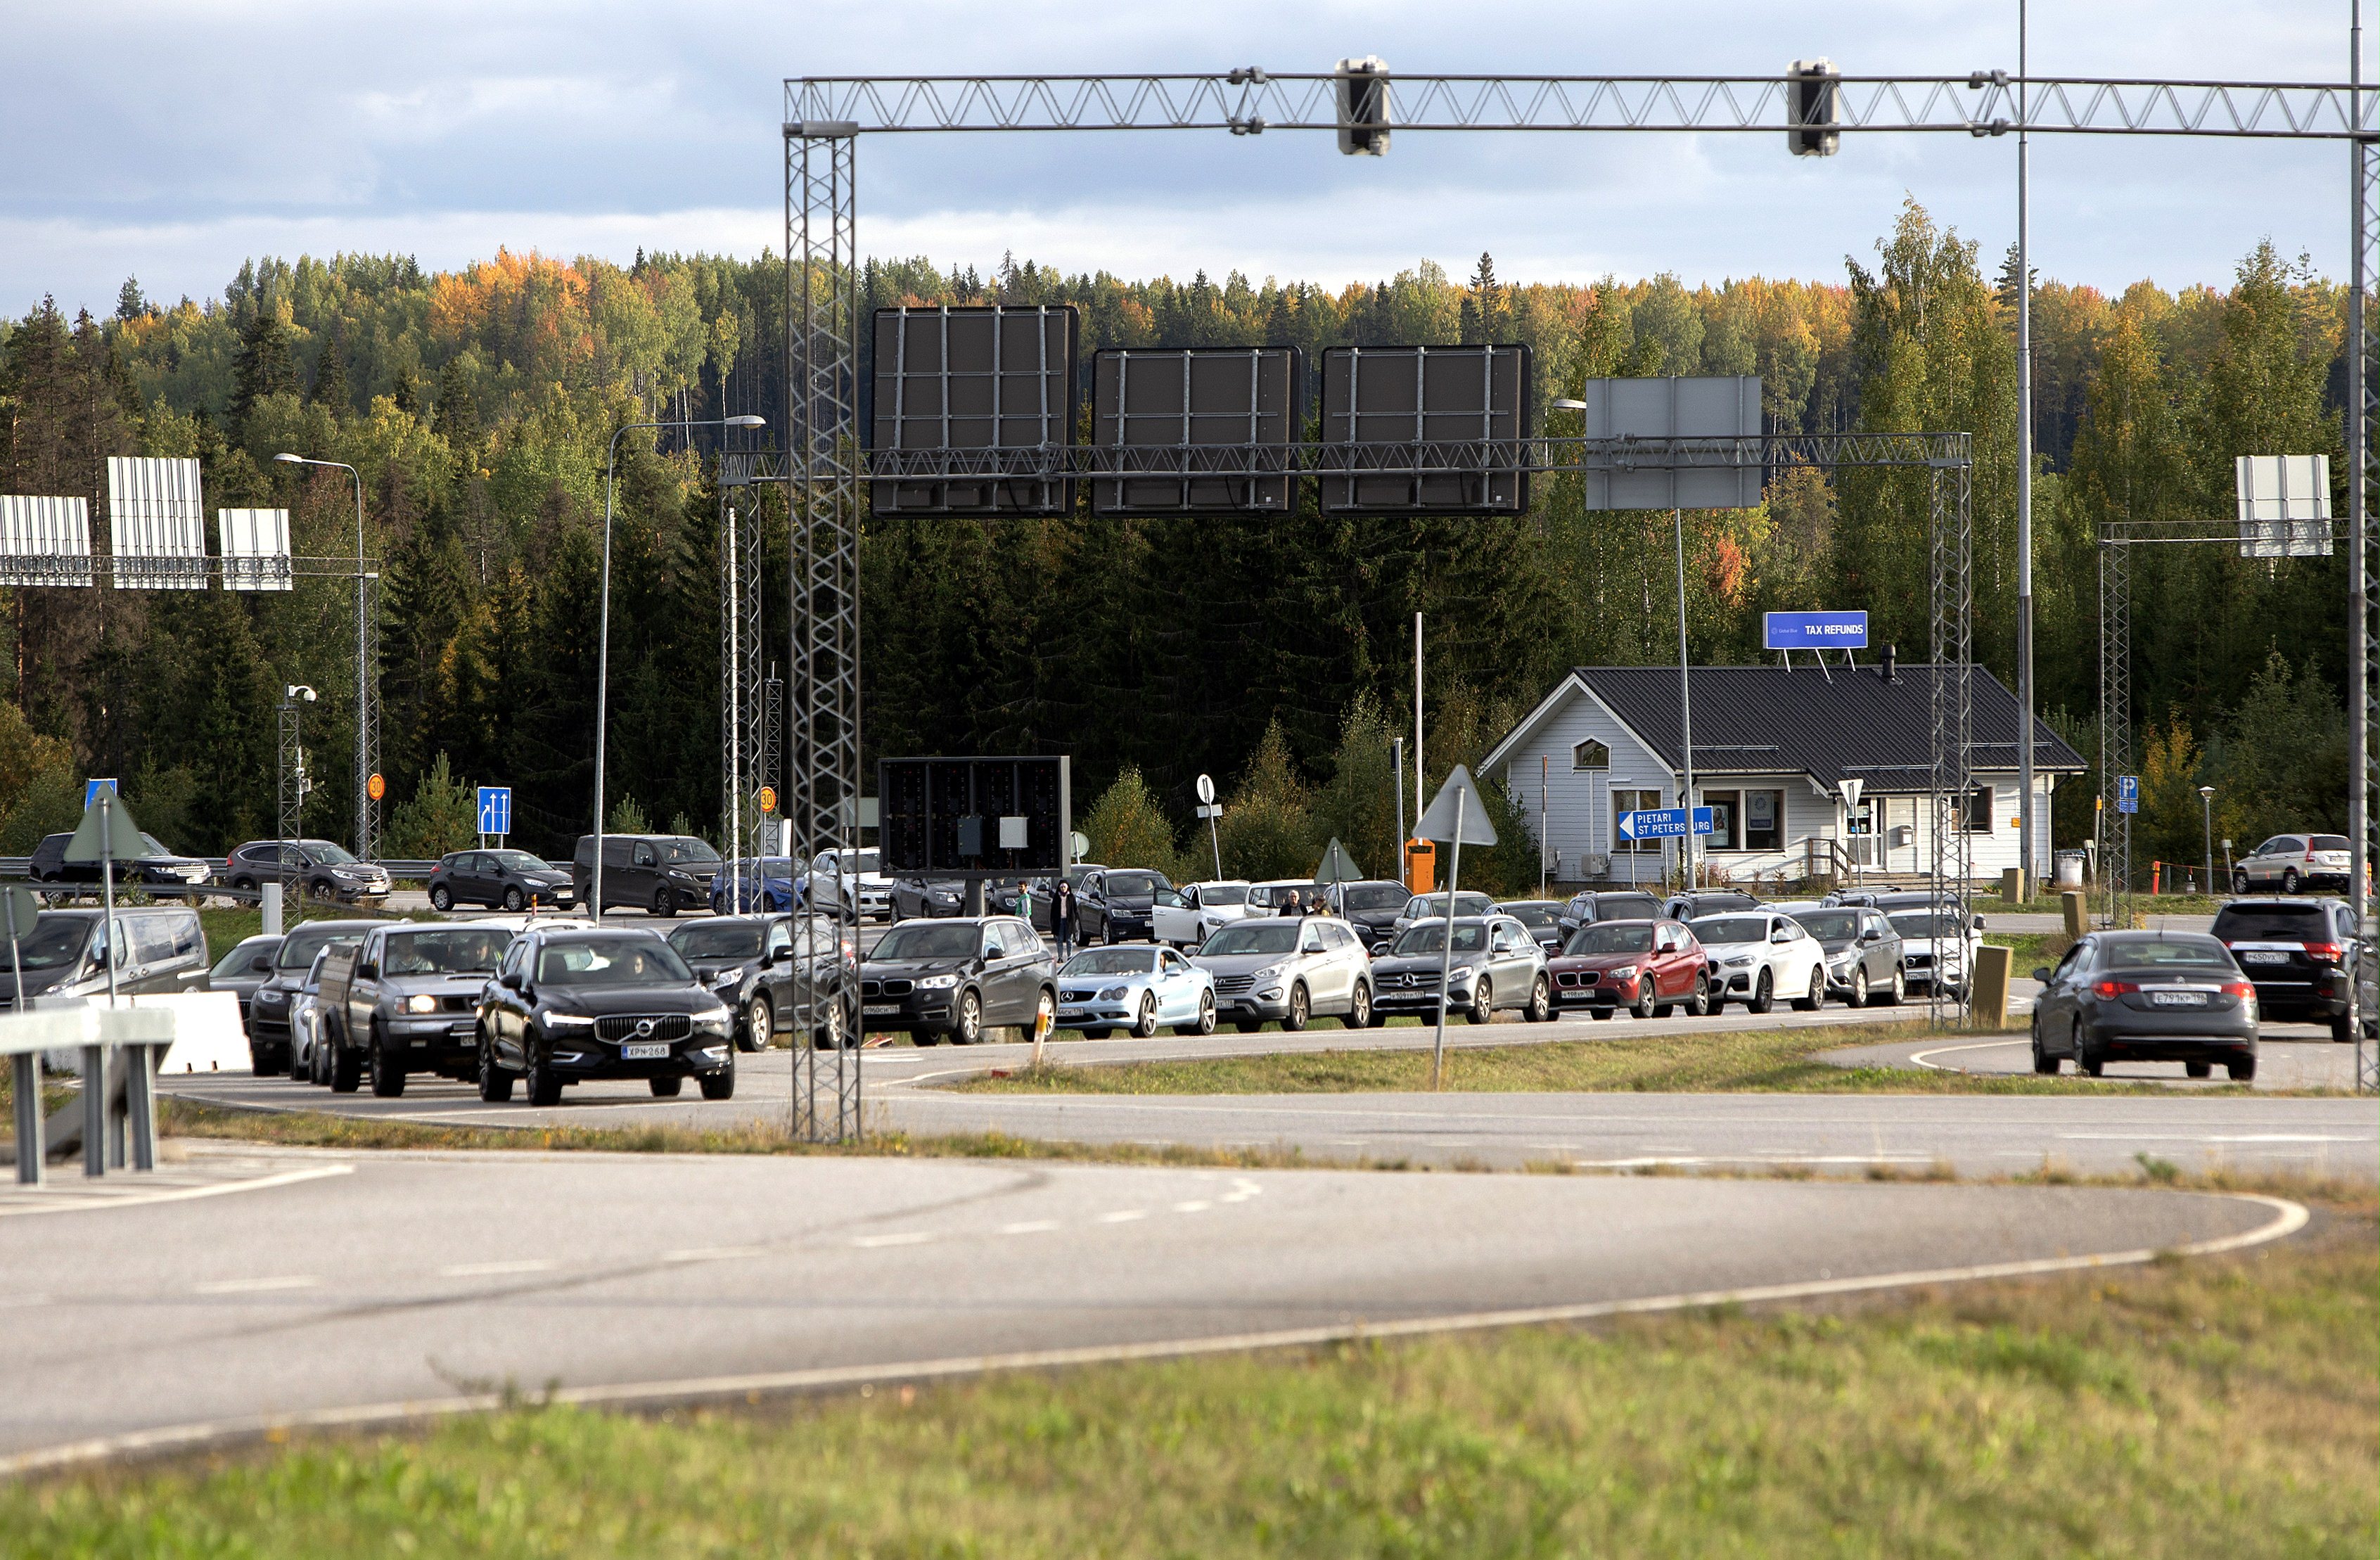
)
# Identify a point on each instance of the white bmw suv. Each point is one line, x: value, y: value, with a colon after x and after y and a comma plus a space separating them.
x: 1758, y: 955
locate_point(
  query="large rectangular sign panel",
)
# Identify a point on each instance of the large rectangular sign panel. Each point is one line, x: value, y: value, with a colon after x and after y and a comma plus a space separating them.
x: 1813, y: 630
x: 44, y: 540
x: 952, y: 384
x: 1665, y: 822
x: 255, y: 549
x: 966, y: 817
x: 1213, y: 427
x: 1714, y: 408
x: 2284, y: 505
x: 1441, y: 426
x: 156, y: 523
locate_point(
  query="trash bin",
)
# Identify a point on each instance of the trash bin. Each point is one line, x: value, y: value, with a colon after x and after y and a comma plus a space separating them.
x: 2069, y: 869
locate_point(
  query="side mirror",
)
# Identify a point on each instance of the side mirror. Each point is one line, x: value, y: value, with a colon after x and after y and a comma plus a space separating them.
x: 260, y: 965
x: 2042, y: 975
x: 995, y: 951
x: 510, y: 980
x: 367, y: 972
x: 1979, y: 923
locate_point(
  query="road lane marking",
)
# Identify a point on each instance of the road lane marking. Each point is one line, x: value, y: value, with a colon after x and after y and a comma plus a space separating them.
x: 714, y: 1253
x: 179, y: 1194
x: 2287, y: 1219
x: 1191, y: 1207
x: 1030, y: 1226
x: 257, y: 1286
x: 909, y: 1237
x: 1123, y: 1216
x: 1756, y: 1159
x: 2218, y: 1136
x: 493, y: 1270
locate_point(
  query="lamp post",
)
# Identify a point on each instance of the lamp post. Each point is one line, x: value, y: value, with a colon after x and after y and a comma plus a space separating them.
x: 603, y: 621
x: 2206, y: 802
x: 366, y: 714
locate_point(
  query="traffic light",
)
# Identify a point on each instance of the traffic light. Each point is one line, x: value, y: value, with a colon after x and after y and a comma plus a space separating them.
x: 1811, y: 89
x: 1364, y: 106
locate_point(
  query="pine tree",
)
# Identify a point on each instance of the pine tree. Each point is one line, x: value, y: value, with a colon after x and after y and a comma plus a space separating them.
x: 130, y: 302
x: 330, y: 379
x: 263, y: 366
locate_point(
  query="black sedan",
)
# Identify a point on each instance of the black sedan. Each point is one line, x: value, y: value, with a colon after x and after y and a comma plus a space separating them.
x: 781, y: 974
x: 955, y: 978
x: 1119, y: 905
x: 513, y: 880
x: 572, y: 1004
x: 2155, y: 996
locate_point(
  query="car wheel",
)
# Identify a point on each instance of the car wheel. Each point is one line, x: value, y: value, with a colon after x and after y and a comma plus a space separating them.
x: 926, y: 1037
x: 1359, y: 1007
x: 829, y: 1034
x: 1599, y: 1012
x: 2243, y: 1068
x: 2042, y: 1062
x: 516, y: 901
x: 345, y: 1066
x: 2240, y: 881
x: 1859, y: 985
x: 1483, y: 1003
x: 969, y: 1028
x: 1764, y: 994
x: 2288, y: 880
x: 263, y: 1062
x: 1206, y: 1022
x: 1699, y: 1002
x: 719, y: 1085
x: 1144, y: 1025
x: 1817, y: 997
x: 544, y: 1088
x: 1898, y: 992
x: 1642, y: 1007
x: 441, y: 898
x: 760, y: 1022
x: 2198, y: 1069
x: 1301, y: 1009
x: 301, y: 1070
x: 387, y: 1072
x: 2343, y: 1027
x: 665, y: 1087
x: 495, y: 1084
x: 2087, y: 1061
x: 1541, y: 1000
x: 664, y: 903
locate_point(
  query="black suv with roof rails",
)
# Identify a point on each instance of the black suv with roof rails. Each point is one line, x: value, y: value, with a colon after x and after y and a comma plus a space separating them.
x: 572, y: 1004
x: 2304, y: 958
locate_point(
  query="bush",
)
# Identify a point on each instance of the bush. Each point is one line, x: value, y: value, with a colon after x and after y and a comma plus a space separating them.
x: 38, y: 794
x: 1126, y: 827
x: 1268, y: 824
x: 442, y: 815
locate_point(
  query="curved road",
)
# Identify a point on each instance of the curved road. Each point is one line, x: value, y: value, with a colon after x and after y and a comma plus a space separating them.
x: 389, y: 1285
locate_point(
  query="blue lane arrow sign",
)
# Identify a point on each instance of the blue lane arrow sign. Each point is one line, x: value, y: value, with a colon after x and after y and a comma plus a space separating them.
x: 495, y: 810
x: 2128, y: 793
x: 1663, y: 823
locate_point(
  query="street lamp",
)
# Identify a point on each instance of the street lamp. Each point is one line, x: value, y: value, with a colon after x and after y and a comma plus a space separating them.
x: 1686, y: 700
x: 366, y: 711
x: 603, y: 619
x: 290, y: 792
x: 2206, y: 802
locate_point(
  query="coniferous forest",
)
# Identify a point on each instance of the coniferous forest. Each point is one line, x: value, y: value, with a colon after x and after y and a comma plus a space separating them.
x: 1274, y: 654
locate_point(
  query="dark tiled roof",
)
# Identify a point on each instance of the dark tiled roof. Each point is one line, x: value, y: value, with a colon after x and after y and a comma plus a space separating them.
x: 1846, y: 722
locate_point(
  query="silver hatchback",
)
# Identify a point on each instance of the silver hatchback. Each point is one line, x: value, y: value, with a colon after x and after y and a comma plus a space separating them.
x: 1277, y: 969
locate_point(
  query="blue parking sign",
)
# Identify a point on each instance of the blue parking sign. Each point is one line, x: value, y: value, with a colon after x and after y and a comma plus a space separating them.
x: 495, y: 810
x: 91, y: 789
x: 2128, y: 793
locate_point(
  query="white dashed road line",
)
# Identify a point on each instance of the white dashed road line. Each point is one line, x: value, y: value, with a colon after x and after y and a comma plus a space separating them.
x: 493, y: 1270
x: 256, y: 1285
x: 910, y: 1238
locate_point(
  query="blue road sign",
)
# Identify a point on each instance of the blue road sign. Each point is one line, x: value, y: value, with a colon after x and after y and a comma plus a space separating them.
x: 1813, y: 630
x: 495, y: 810
x: 91, y: 789
x: 1663, y: 823
x: 2128, y: 793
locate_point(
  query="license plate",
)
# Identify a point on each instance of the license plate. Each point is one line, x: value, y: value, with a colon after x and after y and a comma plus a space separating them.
x: 884, y: 1010
x: 2177, y: 999
x: 2265, y: 956
x: 646, y: 1053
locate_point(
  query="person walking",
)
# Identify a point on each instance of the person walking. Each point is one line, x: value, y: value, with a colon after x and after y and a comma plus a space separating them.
x: 1062, y: 916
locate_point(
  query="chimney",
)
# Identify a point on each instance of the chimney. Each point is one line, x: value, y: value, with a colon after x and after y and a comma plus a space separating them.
x: 1885, y: 671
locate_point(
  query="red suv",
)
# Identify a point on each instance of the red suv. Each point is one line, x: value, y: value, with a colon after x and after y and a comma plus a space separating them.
x: 1648, y: 967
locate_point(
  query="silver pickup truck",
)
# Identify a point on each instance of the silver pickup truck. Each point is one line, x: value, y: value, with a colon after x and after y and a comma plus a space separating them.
x: 405, y: 1000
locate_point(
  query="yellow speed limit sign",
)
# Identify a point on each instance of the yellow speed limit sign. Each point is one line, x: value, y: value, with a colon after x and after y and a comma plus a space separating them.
x: 768, y: 798
x: 375, y: 788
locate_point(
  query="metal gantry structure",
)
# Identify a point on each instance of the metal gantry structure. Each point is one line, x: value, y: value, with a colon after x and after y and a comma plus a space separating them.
x: 825, y: 117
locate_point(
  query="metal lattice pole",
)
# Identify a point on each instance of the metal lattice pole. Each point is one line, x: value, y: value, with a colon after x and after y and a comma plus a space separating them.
x: 1950, y: 600
x: 757, y: 767
x: 367, y: 715
x: 2363, y: 638
x: 2115, y: 713
x: 734, y: 777
x: 822, y: 473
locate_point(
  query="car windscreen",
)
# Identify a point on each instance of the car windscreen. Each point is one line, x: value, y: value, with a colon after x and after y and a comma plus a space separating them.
x: 614, y: 961
x: 1829, y: 925
x: 1610, y: 937
x: 2203, y: 955
x: 1132, y: 885
x: 450, y: 950
x: 687, y: 850
x: 1374, y: 895
x: 56, y: 943
x: 2327, y: 841
x: 1468, y: 939
x: 1633, y: 906
x: 520, y: 862
x: 1111, y: 962
x: 1253, y: 937
x: 155, y: 846
x: 769, y: 866
x: 870, y: 862
x: 297, y: 949
x: 2271, y: 923
x: 719, y: 939
x: 1925, y: 924
x: 929, y: 942
x: 1732, y: 929
x: 1223, y: 894
x: 238, y: 960
x: 1435, y: 905
x: 323, y: 853
x: 1533, y: 915
x: 1712, y: 904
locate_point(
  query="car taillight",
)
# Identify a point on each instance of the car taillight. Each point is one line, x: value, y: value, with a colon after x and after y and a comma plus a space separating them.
x: 2115, y: 988
x: 2241, y: 989
x: 2328, y: 953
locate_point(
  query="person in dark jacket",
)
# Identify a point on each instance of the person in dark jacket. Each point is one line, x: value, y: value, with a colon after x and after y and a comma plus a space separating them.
x: 1062, y: 916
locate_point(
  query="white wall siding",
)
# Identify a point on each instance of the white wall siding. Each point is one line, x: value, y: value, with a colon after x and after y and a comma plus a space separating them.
x: 1578, y: 802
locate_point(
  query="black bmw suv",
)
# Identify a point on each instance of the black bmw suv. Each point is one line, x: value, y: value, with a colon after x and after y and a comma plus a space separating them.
x: 573, y: 1004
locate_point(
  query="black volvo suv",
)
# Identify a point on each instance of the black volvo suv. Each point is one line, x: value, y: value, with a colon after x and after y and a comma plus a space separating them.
x: 575, y: 1004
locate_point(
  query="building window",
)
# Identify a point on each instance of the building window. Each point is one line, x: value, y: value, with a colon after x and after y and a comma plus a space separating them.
x: 1624, y: 803
x: 1726, y: 811
x: 1590, y: 754
x: 1764, y: 820
x: 1979, y: 810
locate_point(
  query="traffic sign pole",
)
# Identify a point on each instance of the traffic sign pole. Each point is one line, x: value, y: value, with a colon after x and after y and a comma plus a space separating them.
x: 1207, y: 805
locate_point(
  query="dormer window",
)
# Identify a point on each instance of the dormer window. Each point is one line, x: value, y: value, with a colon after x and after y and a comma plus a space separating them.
x: 1590, y: 754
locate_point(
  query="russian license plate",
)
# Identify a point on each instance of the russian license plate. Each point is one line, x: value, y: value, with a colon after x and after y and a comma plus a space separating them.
x: 2264, y: 956
x: 2177, y: 999
x: 884, y: 1010
x: 649, y: 1052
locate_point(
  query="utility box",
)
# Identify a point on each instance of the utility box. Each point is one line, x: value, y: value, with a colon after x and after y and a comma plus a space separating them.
x: 1421, y: 863
x: 2012, y: 885
x: 2077, y: 913
x: 1991, y: 995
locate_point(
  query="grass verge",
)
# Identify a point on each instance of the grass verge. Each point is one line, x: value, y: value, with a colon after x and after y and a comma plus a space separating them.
x: 1703, y: 1061
x: 2220, y: 1406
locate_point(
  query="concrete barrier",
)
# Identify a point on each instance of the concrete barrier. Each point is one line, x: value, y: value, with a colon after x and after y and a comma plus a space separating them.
x: 1991, y: 997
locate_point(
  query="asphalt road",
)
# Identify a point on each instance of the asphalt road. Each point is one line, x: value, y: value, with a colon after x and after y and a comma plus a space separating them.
x: 436, y: 1282
x: 2290, y: 1058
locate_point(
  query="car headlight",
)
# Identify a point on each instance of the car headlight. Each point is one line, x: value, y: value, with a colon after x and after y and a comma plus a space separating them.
x: 714, y: 1019
x: 1114, y: 994
x: 1462, y: 972
x: 727, y: 978
x: 1626, y: 972
x: 937, y: 983
x: 1269, y: 976
x: 942, y: 896
x: 272, y: 998
x: 423, y: 1002
x: 569, y: 1020
x: 1739, y: 961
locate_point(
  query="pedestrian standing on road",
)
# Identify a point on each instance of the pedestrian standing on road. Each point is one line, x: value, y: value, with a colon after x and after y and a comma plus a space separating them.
x: 1290, y: 905
x: 1062, y: 915
x: 1024, y: 901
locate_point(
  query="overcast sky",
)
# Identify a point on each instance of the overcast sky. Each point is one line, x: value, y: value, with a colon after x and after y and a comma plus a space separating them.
x: 171, y: 141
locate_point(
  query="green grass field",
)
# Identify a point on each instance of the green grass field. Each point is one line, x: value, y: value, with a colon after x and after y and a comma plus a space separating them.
x: 2221, y: 1407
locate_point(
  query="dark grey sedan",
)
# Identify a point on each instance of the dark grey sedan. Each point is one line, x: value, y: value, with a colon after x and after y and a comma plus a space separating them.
x: 2155, y: 996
